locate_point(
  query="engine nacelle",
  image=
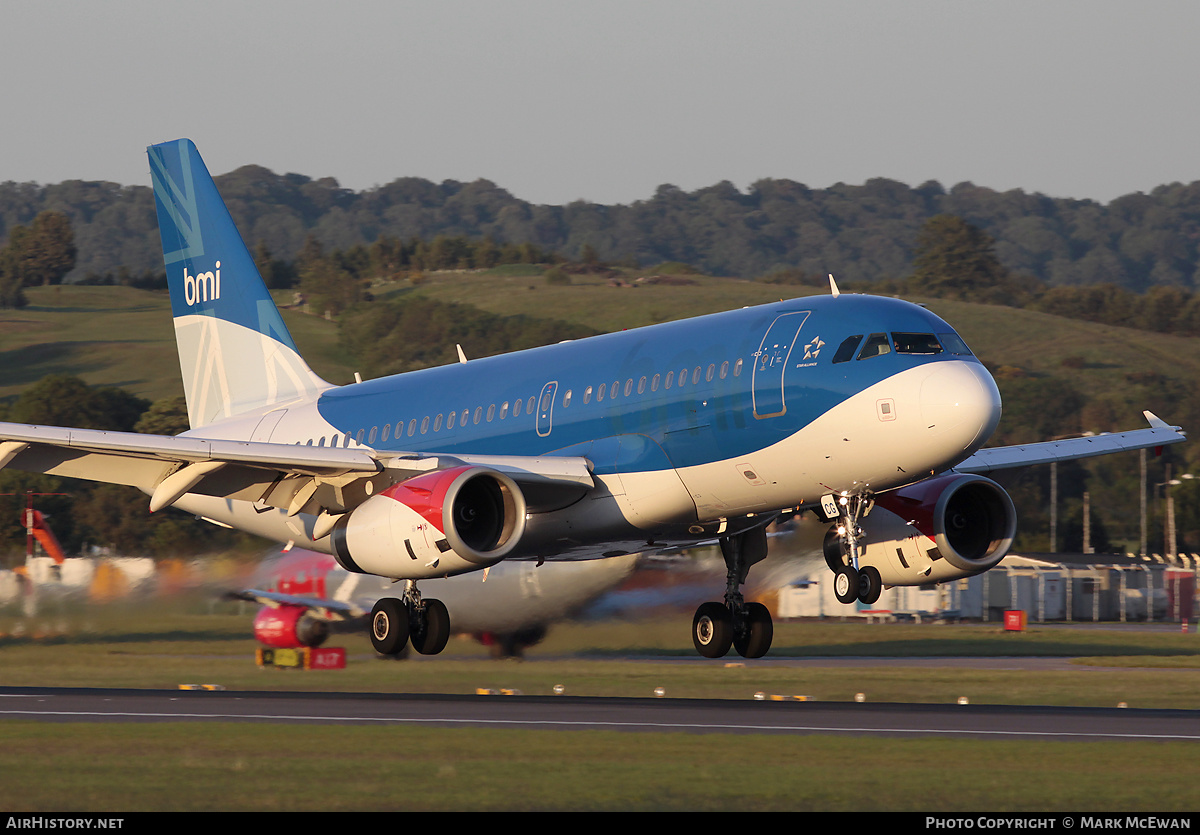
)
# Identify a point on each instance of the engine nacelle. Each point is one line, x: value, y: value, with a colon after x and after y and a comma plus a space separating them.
x: 945, y: 528
x: 435, y: 525
x: 289, y: 627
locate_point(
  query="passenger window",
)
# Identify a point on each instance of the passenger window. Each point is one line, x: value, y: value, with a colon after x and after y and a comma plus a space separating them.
x: 654, y: 382
x: 529, y: 404
x: 628, y: 386
x: 491, y: 412
x: 916, y: 343
x: 670, y: 379
x: 708, y: 375
x: 450, y: 418
x: 412, y: 427
x: 737, y: 368
x: 587, y: 395
x: 600, y: 392
x: 724, y: 369
x: 504, y: 410
x: 696, y: 375
x: 437, y: 424
x: 567, y: 399
x: 358, y: 437
x: 478, y: 415
x: 845, y: 351
x: 424, y: 424
x: 387, y: 430
x: 876, y: 345
x: 371, y: 437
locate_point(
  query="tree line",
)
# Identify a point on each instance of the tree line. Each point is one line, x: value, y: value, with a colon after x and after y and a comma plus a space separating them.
x: 863, y: 233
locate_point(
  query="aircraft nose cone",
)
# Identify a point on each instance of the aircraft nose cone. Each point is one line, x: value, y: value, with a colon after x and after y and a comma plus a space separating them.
x: 960, y: 400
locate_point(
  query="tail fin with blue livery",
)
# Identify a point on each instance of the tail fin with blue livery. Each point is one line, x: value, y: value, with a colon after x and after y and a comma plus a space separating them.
x: 235, y: 353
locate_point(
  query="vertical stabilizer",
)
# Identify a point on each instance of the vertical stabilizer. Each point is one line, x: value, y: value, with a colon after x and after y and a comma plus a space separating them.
x: 235, y: 353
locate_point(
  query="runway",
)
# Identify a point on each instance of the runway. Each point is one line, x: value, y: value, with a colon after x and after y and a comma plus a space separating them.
x: 583, y: 713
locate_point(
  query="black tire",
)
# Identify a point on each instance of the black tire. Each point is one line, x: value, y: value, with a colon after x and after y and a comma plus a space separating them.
x: 754, y: 638
x: 869, y: 585
x: 389, y: 626
x: 845, y: 584
x: 431, y: 635
x: 834, y: 550
x: 712, y: 630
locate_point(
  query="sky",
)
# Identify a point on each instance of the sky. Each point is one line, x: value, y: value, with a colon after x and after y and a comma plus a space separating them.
x: 557, y: 100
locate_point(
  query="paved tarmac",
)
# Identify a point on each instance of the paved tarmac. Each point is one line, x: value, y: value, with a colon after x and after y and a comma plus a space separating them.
x: 577, y: 713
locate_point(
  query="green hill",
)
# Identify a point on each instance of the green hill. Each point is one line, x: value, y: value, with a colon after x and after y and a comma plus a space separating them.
x: 120, y: 336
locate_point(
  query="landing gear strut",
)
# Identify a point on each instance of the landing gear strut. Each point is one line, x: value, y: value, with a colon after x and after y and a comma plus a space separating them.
x: 734, y: 623
x: 843, y: 546
x: 396, y: 621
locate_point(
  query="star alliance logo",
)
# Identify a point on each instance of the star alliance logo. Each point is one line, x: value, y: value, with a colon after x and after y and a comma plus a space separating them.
x: 812, y: 349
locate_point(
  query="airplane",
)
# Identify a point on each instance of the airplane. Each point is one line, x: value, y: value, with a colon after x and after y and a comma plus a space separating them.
x: 305, y: 595
x: 871, y: 412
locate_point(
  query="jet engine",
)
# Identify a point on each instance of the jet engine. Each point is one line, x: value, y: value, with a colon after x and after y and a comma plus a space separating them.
x: 945, y: 528
x: 289, y: 627
x: 434, y: 525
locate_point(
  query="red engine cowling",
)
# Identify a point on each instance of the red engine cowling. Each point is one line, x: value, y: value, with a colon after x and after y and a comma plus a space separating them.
x: 945, y: 528
x: 289, y: 627
x: 435, y: 525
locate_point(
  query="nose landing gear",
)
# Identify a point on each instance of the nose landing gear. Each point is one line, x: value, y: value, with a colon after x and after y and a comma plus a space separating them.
x: 842, y: 549
x: 735, y: 623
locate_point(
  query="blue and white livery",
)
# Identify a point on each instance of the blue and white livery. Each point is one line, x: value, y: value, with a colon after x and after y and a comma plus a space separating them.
x: 869, y: 411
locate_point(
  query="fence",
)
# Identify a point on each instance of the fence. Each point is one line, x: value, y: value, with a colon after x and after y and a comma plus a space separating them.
x: 1045, y: 591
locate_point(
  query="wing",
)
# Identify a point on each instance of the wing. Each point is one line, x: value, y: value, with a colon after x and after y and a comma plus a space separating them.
x: 298, y: 478
x: 318, y: 607
x: 1002, y: 458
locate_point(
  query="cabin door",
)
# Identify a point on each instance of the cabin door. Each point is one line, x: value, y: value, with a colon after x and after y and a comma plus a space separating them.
x: 771, y: 362
x: 545, y: 409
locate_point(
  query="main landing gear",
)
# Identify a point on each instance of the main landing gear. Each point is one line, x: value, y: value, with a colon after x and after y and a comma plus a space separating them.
x: 396, y: 622
x: 842, y: 549
x: 744, y: 626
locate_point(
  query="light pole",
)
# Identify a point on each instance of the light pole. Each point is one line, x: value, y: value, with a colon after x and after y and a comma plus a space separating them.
x: 1170, y: 545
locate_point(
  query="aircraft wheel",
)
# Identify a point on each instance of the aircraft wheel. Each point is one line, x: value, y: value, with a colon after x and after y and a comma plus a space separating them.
x: 389, y: 626
x: 712, y: 630
x: 755, y: 638
x: 869, y: 585
x: 834, y: 549
x: 845, y: 584
x: 434, y: 631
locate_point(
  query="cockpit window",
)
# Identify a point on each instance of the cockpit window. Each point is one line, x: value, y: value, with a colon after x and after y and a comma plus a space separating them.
x: 954, y: 344
x: 916, y: 343
x: 845, y: 351
x: 876, y: 346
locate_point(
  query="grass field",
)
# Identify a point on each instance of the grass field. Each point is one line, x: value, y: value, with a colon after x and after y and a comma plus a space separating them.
x: 169, y: 766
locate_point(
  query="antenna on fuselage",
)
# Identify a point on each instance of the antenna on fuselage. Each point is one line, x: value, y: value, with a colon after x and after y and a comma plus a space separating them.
x: 833, y: 288
x: 461, y: 356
